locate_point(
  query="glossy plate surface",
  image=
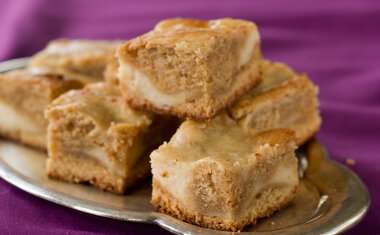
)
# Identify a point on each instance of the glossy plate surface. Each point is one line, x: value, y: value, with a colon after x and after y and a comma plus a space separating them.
x: 330, y: 199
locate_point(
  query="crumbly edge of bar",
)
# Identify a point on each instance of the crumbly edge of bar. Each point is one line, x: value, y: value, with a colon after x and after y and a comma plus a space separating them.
x: 195, y: 110
x: 164, y: 202
x: 79, y: 170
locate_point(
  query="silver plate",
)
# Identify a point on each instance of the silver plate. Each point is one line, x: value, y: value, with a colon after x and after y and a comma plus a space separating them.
x: 330, y: 200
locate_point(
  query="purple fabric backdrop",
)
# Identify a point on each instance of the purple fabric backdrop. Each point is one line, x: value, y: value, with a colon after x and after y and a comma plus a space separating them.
x: 336, y: 43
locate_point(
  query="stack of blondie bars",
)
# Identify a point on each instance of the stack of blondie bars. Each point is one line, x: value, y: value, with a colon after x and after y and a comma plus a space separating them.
x: 191, y: 102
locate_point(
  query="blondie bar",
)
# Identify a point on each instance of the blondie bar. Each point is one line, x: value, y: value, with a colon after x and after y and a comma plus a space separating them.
x: 220, y: 176
x: 284, y: 99
x: 23, y: 98
x: 95, y: 137
x: 84, y: 60
x: 190, y: 68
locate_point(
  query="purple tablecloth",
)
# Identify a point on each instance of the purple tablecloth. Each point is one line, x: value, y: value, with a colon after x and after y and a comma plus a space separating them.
x: 336, y: 42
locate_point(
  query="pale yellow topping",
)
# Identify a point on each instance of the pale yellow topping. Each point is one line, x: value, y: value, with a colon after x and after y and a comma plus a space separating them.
x: 221, y: 138
x: 72, y: 47
x: 252, y: 39
x: 104, y: 104
x: 273, y: 75
x: 199, y: 37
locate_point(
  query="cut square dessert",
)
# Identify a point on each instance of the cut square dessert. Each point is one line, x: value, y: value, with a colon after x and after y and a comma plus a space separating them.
x: 84, y: 60
x: 284, y: 99
x: 190, y: 68
x: 219, y: 176
x: 95, y: 137
x: 23, y: 98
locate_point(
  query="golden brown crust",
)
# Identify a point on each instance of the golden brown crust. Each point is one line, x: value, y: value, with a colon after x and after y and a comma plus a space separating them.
x: 76, y: 170
x: 190, y: 30
x: 275, y: 136
x: 164, y: 202
x: 169, y: 23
